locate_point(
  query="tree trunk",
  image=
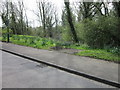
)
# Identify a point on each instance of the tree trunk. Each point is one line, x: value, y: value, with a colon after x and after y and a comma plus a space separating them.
x: 8, y: 36
x: 69, y: 18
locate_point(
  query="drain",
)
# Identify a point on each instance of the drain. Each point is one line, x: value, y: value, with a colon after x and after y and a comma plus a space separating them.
x: 41, y: 65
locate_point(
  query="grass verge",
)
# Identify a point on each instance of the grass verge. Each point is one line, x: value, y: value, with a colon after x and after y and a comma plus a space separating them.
x: 47, y: 43
x: 100, y: 54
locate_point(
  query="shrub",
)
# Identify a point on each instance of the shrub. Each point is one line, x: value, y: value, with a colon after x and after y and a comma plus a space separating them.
x: 79, y: 27
x: 115, y: 50
x: 4, y: 33
x: 101, y: 32
x: 66, y: 34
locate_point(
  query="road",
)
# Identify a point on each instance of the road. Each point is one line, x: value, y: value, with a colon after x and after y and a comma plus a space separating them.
x: 88, y: 66
x: 18, y: 72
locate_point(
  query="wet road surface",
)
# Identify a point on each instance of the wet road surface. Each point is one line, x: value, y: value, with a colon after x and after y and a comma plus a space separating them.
x: 18, y: 72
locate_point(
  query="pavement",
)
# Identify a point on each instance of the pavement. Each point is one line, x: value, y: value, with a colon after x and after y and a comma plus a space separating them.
x: 94, y: 67
x: 18, y: 72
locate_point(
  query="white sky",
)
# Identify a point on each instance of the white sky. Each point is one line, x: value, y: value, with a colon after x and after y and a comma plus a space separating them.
x: 31, y: 5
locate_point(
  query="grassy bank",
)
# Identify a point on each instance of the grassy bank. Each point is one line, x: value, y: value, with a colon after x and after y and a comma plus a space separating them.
x: 100, y: 54
x: 47, y: 43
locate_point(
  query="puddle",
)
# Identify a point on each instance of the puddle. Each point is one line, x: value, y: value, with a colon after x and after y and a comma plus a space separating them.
x: 70, y: 51
x: 41, y: 65
x: 33, y: 64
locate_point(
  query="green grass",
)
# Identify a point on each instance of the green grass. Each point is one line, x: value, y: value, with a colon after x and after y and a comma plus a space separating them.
x: 100, y: 54
x: 32, y: 41
x: 0, y: 38
x: 47, y: 43
x: 81, y: 47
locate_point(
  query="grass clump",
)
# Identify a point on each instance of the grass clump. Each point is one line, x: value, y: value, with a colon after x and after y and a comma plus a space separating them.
x: 79, y: 46
x: 100, y: 54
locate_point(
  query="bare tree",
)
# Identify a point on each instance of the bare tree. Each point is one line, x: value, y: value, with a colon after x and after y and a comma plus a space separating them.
x: 22, y: 18
x: 13, y: 18
x: 102, y: 8
x: 91, y: 9
x: 46, y: 16
x: 21, y: 8
x: 16, y: 11
x: 5, y: 17
x: 26, y: 22
x: 57, y: 31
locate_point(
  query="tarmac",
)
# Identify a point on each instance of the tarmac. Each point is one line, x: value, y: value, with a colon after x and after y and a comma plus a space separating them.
x: 103, y: 71
x: 24, y: 73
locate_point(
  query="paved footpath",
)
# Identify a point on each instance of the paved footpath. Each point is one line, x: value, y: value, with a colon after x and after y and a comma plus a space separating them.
x: 94, y: 67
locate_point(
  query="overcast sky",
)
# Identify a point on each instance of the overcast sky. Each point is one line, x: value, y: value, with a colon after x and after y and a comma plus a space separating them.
x: 31, y: 5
